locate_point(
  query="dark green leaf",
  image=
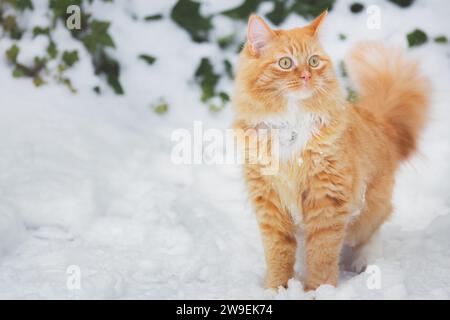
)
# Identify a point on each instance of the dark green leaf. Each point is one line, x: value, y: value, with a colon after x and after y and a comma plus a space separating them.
x: 114, y: 82
x: 12, y: 53
x: 228, y: 69
x: 225, y: 42
x: 147, y: 58
x: 39, y: 63
x: 312, y: 8
x: 18, y: 73
x: 68, y: 83
x: 207, y: 79
x: 161, y: 108
x: 217, y: 106
x: 41, y: 31
x: 10, y: 25
x: 243, y: 11
x: 106, y: 40
x: 52, y: 50
x: 153, y: 17
x: 70, y: 57
x: 224, y: 97
x: 441, y: 39
x: 38, y: 81
x: 108, y: 66
x: 21, y: 5
x: 402, y: 3
x: 356, y: 7
x: 186, y: 13
x: 416, y: 38
x: 213, y: 107
x: 97, y: 36
x: 279, y: 13
x: 98, y: 26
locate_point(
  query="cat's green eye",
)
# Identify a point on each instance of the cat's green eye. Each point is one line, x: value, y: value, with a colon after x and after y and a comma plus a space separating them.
x: 314, y: 61
x: 285, y: 63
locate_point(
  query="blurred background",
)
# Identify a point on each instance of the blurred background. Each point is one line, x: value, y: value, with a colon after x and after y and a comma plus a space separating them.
x: 86, y: 178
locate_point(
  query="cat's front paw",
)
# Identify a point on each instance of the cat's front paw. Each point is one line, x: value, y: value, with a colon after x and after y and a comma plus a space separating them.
x: 367, y: 254
x: 359, y: 264
x: 275, y: 282
x: 309, y: 288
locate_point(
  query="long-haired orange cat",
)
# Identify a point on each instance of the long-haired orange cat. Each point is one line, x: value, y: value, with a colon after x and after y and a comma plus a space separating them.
x: 337, y: 167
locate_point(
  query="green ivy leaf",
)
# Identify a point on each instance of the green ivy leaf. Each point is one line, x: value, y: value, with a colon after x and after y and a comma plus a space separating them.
x: 219, y: 105
x: 147, y: 58
x: 153, y: 17
x: 10, y: 25
x: 68, y: 83
x: 52, y: 50
x: 228, y: 69
x: 98, y: 36
x: 279, y: 13
x: 109, y: 67
x: 186, y: 13
x: 18, y: 73
x: 20, y: 5
x: 243, y: 11
x: 39, y: 63
x: 312, y: 8
x: 207, y: 79
x: 224, y: 97
x: 41, y: 31
x: 97, y: 90
x: 441, y: 39
x: 213, y: 107
x: 161, y: 108
x: 12, y: 53
x: 416, y: 38
x: 70, y: 57
x: 225, y: 42
x: 402, y: 3
x: 106, y: 40
x: 356, y: 7
x: 38, y: 81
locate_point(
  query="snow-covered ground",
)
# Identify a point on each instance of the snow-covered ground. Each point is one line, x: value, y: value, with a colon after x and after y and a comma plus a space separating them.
x: 86, y: 181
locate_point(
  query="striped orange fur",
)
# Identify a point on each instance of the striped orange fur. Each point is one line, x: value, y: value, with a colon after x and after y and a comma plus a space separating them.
x: 336, y: 187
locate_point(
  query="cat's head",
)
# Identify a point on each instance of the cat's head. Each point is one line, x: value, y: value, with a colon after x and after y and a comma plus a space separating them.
x: 279, y: 66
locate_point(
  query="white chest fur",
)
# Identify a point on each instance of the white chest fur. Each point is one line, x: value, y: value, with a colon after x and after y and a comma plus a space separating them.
x: 292, y: 129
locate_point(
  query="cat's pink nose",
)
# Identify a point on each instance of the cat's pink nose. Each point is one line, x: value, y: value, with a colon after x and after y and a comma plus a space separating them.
x: 305, y: 76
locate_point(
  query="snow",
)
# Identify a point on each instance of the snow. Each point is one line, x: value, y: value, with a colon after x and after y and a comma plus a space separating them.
x: 87, y: 182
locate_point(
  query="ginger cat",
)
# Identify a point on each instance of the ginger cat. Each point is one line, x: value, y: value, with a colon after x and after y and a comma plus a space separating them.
x: 337, y: 168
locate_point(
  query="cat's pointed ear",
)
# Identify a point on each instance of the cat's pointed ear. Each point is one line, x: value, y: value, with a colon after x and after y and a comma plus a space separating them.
x: 314, y: 26
x: 259, y: 34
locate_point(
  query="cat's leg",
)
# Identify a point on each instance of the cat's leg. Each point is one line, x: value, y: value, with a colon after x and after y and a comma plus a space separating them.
x: 362, y: 234
x: 279, y: 248
x: 277, y: 230
x: 366, y: 253
x: 325, y: 220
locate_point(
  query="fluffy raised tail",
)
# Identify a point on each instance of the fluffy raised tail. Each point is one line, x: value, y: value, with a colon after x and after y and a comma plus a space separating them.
x: 390, y: 86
